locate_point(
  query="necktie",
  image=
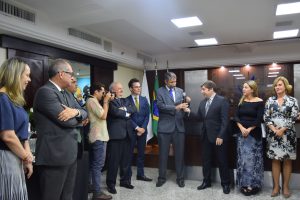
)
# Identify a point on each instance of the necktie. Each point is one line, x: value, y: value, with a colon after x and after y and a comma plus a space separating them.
x: 64, y: 95
x: 171, y: 93
x: 208, y: 102
x: 137, y: 105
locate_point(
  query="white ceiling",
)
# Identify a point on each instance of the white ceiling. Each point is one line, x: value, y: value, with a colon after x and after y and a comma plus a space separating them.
x: 145, y: 25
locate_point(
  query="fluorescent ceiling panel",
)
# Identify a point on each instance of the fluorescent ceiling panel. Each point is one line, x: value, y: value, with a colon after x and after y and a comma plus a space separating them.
x: 285, y: 34
x: 288, y: 8
x: 206, y: 42
x: 186, y: 22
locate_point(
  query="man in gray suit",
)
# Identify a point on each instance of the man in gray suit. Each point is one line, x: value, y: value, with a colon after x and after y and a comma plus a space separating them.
x: 213, y: 113
x: 172, y: 108
x: 57, y: 117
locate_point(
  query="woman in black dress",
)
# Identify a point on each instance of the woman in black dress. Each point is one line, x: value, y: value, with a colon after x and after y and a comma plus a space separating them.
x: 249, y: 142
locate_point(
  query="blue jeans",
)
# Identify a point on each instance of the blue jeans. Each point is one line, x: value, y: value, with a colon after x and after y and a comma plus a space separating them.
x: 97, y: 160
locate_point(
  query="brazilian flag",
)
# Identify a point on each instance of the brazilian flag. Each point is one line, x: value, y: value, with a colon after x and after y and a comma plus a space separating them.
x: 155, y: 113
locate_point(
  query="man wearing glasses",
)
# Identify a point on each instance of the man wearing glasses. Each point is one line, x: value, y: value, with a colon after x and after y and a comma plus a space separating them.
x: 172, y: 108
x: 57, y: 118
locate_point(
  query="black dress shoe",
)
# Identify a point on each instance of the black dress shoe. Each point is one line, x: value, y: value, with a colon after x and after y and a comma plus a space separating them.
x: 204, y: 185
x: 180, y: 183
x: 143, y: 178
x: 159, y: 183
x: 126, y: 185
x: 111, y: 189
x: 226, y: 189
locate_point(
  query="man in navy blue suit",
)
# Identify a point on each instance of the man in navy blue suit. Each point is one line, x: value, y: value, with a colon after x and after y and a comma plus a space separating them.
x: 139, y: 121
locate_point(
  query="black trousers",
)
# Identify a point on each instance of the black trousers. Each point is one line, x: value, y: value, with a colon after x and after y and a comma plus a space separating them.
x: 57, y: 182
x: 208, y: 151
x: 118, y: 156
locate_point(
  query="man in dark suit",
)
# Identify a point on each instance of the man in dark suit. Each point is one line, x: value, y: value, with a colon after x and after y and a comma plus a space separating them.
x: 139, y: 121
x: 120, y: 134
x: 213, y: 113
x: 72, y: 89
x: 172, y: 108
x: 57, y: 117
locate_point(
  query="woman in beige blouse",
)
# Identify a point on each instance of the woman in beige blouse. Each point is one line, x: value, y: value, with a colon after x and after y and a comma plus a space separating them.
x: 98, y: 135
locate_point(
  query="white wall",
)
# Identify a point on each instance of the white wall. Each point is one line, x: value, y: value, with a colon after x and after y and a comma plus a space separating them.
x: 124, y: 74
x: 44, y: 31
x: 2, y: 55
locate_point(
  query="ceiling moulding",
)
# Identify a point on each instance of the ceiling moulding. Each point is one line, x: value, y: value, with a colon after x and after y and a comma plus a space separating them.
x: 273, y: 41
x: 19, y: 29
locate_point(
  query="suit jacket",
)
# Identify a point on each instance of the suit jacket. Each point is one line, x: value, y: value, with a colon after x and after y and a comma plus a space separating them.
x: 56, y: 140
x: 169, y: 117
x: 215, y: 123
x: 118, y: 124
x: 141, y: 117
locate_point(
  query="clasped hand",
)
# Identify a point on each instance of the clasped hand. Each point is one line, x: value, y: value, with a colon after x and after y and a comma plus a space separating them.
x: 182, y: 106
x: 279, y: 132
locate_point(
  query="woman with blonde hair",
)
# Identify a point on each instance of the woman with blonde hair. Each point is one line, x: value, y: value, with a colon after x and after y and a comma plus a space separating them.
x: 15, y: 154
x: 281, y: 112
x: 248, y: 117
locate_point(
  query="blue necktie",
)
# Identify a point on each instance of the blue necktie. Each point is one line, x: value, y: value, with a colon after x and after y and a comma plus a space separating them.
x: 171, y: 93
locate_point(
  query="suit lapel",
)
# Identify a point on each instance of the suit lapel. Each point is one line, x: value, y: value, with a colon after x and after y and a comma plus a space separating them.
x: 133, y: 102
x: 211, y: 104
x: 59, y: 94
x: 177, y: 95
x: 167, y: 93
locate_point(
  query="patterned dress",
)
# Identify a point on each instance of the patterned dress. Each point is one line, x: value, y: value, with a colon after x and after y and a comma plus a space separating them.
x: 281, y: 148
x: 250, y: 168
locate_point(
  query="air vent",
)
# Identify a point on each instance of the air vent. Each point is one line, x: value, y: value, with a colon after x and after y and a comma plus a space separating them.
x: 84, y: 36
x: 12, y: 10
x: 144, y: 57
x: 107, y: 45
x: 196, y: 33
x: 284, y: 23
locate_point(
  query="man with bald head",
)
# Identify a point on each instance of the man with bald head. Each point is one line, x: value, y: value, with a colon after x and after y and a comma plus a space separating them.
x: 57, y: 118
x: 120, y: 133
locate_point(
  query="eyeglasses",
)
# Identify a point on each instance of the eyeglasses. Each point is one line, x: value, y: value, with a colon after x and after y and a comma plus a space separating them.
x: 70, y: 73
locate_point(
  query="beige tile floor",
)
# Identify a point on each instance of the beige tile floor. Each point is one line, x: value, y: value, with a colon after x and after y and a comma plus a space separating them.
x: 170, y: 191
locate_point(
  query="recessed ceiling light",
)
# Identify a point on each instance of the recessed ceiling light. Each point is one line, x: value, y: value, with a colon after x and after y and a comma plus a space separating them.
x: 285, y: 34
x: 205, y: 42
x: 240, y: 77
x: 186, y: 22
x: 288, y: 8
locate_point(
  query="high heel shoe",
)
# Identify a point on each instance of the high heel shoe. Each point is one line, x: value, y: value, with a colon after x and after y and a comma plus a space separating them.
x: 286, y: 195
x: 275, y: 194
